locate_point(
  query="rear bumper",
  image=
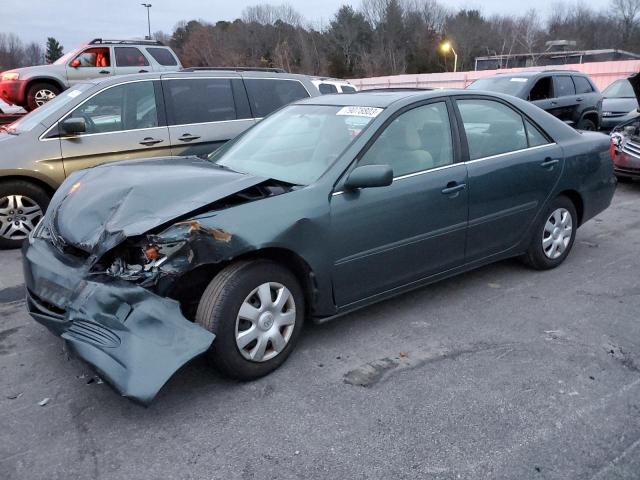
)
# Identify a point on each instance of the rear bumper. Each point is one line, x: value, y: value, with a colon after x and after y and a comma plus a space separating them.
x: 13, y: 91
x: 136, y: 340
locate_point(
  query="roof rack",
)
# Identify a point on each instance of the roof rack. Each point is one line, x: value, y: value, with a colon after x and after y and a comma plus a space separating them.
x: 550, y: 70
x: 100, y: 41
x: 235, y: 69
x: 396, y: 89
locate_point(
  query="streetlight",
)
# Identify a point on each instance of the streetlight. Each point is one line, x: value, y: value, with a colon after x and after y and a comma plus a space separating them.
x: 446, y: 47
x: 148, y: 7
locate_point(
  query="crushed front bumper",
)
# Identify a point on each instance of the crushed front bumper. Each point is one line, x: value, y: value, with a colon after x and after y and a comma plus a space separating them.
x: 135, y: 339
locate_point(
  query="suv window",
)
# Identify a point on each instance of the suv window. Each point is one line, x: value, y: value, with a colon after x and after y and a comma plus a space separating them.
x: 542, y: 90
x: 348, y: 89
x: 416, y: 140
x: 582, y: 85
x: 93, y: 57
x: 130, y: 106
x: 268, y: 95
x: 200, y: 100
x: 162, y: 56
x: 326, y: 88
x: 130, y: 57
x: 564, y: 86
x: 491, y: 127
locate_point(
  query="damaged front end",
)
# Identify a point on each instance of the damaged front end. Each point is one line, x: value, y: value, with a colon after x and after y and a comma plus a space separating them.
x: 100, y: 267
x: 625, y: 149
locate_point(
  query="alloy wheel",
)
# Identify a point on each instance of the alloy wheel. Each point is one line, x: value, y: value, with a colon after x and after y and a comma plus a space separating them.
x: 19, y: 215
x: 557, y: 233
x: 43, y: 95
x: 265, y: 322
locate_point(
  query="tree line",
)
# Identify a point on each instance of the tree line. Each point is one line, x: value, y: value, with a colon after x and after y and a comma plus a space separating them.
x: 380, y: 37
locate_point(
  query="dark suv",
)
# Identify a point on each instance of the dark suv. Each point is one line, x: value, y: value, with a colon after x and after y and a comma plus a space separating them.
x: 570, y: 96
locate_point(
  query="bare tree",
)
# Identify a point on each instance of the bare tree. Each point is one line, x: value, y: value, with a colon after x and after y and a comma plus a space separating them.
x: 627, y: 11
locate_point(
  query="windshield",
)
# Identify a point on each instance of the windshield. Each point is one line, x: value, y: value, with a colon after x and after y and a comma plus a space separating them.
x: 501, y: 84
x: 66, y: 57
x: 296, y: 144
x: 28, y: 122
x: 619, y: 89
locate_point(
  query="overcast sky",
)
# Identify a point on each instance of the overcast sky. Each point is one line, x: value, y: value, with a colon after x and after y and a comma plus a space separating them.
x: 74, y: 21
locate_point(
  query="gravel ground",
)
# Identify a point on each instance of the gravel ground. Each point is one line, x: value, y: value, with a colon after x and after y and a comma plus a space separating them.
x: 500, y: 373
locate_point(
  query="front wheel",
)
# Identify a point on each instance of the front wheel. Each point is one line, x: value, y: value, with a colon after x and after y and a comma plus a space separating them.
x: 587, y: 124
x: 22, y: 205
x: 256, y: 311
x: 554, y: 235
x: 39, y: 94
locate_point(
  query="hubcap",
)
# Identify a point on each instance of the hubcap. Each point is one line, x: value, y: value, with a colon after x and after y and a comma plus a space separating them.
x: 557, y: 233
x: 19, y: 215
x: 265, y: 322
x: 43, y: 96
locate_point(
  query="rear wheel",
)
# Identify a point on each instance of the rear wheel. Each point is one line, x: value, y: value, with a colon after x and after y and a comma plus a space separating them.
x: 39, y: 94
x: 587, y: 124
x: 22, y: 205
x: 554, y: 235
x: 256, y: 310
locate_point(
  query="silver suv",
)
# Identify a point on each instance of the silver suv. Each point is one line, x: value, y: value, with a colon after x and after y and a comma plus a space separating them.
x: 31, y: 87
x: 191, y: 112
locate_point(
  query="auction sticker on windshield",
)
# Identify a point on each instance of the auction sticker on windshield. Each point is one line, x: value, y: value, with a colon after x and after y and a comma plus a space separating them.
x: 518, y: 79
x: 369, y: 112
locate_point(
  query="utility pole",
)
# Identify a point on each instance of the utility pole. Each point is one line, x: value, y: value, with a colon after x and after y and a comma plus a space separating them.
x: 148, y: 7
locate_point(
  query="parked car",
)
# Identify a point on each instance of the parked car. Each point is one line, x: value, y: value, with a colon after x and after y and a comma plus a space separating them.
x: 570, y: 96
x: 620, y: 103
x: 625, y: 141
x: 327, y: 86
x: 32, y: 87
x: 326, y: 206
x: 179, y: 113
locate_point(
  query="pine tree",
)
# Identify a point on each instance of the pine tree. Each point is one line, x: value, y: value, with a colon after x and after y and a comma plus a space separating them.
x: 54, y: 50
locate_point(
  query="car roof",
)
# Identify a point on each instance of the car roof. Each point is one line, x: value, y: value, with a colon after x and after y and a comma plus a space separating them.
x: 535, y: 73
x: 379, y: 99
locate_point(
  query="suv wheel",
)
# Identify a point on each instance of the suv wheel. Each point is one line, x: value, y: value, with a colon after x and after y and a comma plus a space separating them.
x: 256, y: 310
x: 39, y: 94
x: 22, y: 205
x: 587, y: 124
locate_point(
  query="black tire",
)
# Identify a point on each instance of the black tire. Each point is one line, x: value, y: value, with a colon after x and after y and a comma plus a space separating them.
x: 33, y: 91
x: 535, y: 256
x: 23, y: 188
x: 219, y: 307
x: 587, y: 124
x: 624, y: 179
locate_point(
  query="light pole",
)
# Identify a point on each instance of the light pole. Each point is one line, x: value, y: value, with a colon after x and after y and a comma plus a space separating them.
x: 148, y: 7
x: 446, y: 47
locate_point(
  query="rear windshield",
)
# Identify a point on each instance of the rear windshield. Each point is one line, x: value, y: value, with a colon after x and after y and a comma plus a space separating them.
x: 502, y: 84
x: 619, y: 89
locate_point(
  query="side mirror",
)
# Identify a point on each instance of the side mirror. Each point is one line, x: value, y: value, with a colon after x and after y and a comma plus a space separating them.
x: 368, y: 176
x: 73, y: 126
x: 75, y: 63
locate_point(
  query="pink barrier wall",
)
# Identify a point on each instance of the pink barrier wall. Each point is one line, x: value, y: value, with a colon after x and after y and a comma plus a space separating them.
x: 602, y: 73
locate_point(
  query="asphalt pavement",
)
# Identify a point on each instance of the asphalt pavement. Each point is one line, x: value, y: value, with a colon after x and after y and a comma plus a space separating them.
x: 503, y: 372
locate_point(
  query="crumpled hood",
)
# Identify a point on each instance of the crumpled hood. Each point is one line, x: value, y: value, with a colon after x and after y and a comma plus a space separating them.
x: 96, y: 209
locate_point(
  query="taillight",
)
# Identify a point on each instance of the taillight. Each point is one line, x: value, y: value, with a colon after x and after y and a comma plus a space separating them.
x: 612, y: 150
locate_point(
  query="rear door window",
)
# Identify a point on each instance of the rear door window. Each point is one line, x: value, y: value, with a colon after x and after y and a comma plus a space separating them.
x: 564, y: 86
x: 327, y: 88
x: 582, y: 85
x: 491, y: 128
x: 130, y: 57
x: 199, y: 100
x: 268, y: 95
x: 163, y: 56
x: 348, y: 89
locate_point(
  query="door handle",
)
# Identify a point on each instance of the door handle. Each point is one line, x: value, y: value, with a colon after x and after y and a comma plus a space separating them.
x: 554, y: 103
x: 453, y: 188
x: 150, y: 141
x: 579, y: 99
x: 143, y: 71
x: 187, y: 137
x: 104, y: 72
x: 549, y: 162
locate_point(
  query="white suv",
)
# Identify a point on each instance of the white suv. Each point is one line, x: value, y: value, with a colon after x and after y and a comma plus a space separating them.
x: 327, y: 86
x: 31, y: 87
